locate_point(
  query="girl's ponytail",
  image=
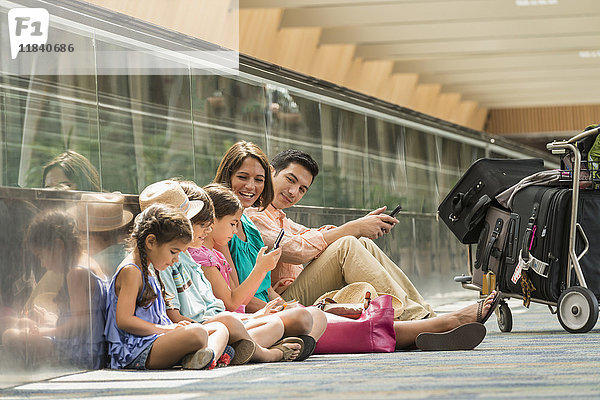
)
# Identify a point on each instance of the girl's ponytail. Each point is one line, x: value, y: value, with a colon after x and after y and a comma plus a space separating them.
x: 148, y: 295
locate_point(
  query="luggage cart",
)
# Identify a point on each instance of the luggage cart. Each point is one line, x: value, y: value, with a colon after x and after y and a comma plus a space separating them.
x: 577, y: 307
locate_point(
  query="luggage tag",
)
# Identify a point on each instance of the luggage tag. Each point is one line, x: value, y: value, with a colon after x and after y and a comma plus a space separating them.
x: 518, y: 270
x: 489, y: 283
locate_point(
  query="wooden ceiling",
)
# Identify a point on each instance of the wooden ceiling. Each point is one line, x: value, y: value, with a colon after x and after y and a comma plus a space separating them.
x: 457, y: 60
x: 499, y: 53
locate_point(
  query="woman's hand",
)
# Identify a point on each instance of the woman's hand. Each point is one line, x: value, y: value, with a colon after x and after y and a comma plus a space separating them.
x: 267, y: 262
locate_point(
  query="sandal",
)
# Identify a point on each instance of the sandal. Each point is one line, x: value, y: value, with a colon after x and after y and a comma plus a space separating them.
x: 483, y: 318
x: 309, y: 347
x: 200, y: 359
x: 288, y: 354
x: 243, y: 349
x: 465, y: 337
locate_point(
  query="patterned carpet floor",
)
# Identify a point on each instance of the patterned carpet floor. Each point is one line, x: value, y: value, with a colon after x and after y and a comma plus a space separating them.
x: 538, y: 359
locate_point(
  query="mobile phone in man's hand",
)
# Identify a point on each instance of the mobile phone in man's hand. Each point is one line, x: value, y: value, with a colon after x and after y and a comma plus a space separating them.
x: 395, y: 212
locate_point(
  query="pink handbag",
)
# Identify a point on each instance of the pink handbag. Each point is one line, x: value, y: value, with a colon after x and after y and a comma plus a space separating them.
x: 373, y: 332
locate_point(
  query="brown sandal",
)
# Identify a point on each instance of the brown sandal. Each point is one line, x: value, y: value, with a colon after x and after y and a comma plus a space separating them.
x: 483, y: 318
x: 288, y: 354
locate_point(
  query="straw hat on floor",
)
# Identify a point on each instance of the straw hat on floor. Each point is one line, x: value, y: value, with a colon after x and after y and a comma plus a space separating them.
x: 354, y: 293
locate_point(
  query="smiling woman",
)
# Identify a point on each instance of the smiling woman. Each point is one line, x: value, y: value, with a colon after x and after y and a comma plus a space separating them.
x: 245, y: 169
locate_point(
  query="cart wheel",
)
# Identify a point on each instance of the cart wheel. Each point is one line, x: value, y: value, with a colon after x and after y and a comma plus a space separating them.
x: 577, y: 309
x: 504, y: 317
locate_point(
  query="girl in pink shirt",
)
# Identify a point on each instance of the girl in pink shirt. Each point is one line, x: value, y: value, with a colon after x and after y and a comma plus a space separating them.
x: 228, y: 211
x: 265, y: 329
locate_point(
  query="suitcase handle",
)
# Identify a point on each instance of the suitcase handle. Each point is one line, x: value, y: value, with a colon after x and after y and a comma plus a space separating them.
x: 476, y: 213
x: 490, y: 245
x: 529, y: 233
x: 464, y: 200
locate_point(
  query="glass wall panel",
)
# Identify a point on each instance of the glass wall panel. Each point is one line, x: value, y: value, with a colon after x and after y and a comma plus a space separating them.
x: 47, y: 105
x: 146, y: 128
x: 388, y: 184
x: 421, y: 170
x: 294, y: 122
x: 225, y: 111
x: 345, y: 161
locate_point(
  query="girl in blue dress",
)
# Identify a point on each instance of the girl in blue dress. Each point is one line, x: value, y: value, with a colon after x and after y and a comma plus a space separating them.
x: 138, y: 331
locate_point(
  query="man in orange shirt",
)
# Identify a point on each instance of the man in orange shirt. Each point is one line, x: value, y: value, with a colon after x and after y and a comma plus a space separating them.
x: 335, y: 256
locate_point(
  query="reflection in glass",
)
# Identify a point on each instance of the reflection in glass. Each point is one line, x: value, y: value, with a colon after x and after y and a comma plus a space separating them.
x: 106, y: 221
x: 225, y: 111
x: 70, y: 171
x: 146, y: 129
x: 344, y: 165
x: 421, y: 168
x: 294, y: 122
x: 230, y: 102
x: 63, y: 319
x: 388, y: 183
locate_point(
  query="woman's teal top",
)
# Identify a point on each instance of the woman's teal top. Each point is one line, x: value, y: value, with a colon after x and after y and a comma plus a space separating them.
x: 244, y: 255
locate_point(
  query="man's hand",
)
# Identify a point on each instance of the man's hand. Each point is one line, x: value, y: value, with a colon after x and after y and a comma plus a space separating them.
x: 373, y: 225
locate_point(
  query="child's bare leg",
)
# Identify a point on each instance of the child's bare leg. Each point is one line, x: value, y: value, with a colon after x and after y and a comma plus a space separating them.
x: 296, y: 321
x: 171, y: 347
x: 407, y: 331
x: 319, y: 322
x: 218, y: 337
x: 265, y: 330
x: 237, y: 331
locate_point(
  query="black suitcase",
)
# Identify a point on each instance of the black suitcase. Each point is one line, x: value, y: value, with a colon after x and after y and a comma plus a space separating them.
x: 542, y: 240
x: 492, y: 246
x: 588, y: 216
x: 464, y: 208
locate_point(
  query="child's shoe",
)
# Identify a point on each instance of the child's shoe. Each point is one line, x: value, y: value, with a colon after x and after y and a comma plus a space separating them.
x: 201, y: 359
x: 226, y: 357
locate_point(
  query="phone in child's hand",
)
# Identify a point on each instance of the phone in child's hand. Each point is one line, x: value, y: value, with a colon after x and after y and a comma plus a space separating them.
x: 278, y: 240
x: 287, y: 304
x: 395, y: 212
x: 290, y: 304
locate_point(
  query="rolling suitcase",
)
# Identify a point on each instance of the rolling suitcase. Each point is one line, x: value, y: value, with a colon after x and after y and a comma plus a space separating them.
x: 588, y: 217
x: 492, y: 246
x: 464, y: 208
x: 536, y: 264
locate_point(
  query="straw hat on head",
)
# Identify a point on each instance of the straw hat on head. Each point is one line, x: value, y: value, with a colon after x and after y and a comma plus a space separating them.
x: 170, y: 193
x: 99, y: 212
x: 354, y: 293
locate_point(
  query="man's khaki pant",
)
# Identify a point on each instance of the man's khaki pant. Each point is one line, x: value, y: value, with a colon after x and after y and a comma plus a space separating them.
x: 349, y: 260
